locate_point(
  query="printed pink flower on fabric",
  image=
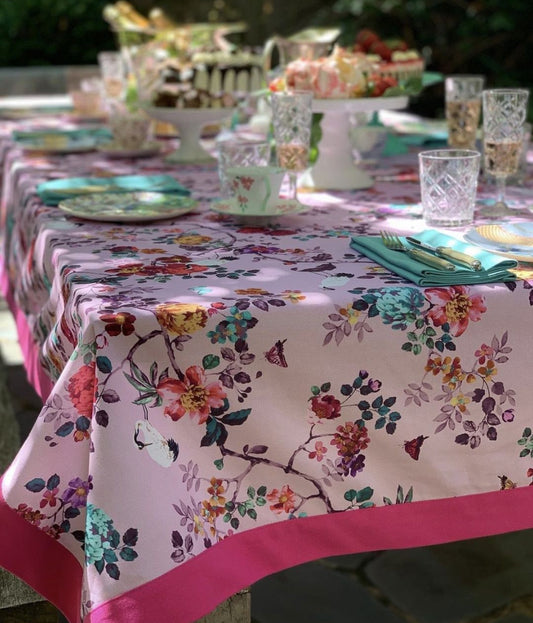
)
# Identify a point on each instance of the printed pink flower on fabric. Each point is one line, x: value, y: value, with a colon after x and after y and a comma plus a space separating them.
x: 326, y: 407
x: 81, y: 388
x: 318, y: 452
x: 454, y: 306
x: 284, y: 501
x: 484, y: 353
x: 49, y: 497
x: 192, y: 395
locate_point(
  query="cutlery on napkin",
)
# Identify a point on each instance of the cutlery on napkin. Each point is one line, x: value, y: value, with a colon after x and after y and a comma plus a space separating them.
x: 54, y: 191
x: 495, y: 268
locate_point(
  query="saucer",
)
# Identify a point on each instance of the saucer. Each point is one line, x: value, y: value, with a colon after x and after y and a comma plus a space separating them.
x: 282, y: 207
x: 112, y: 150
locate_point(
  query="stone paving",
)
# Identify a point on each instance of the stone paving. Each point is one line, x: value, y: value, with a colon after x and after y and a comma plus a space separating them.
x: 487, y: 580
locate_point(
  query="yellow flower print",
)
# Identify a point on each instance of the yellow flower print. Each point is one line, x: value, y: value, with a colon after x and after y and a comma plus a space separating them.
x: 350, y: 314
x: 454, y: 373
x: 152, y: 251
x: 251, y: 292
x: 488, y: 370
x: 181, y: 318
x: 294, y: 296
x: 192, y: 239
x: 460, y: 402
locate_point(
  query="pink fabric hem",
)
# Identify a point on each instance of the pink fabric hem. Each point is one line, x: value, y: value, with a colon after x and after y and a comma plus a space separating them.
x: 198, y: 586
x: 40, y: 561
x: 36, y: 375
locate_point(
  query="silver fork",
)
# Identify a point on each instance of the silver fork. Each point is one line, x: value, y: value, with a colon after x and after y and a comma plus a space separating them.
x: 391, y: 241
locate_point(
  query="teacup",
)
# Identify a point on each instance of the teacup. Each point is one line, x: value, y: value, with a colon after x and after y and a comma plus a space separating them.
x: 87, y: 103
x: 255, y: 189
x: 130, y: 130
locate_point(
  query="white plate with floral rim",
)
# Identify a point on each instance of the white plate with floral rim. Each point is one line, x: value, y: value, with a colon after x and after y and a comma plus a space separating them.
x: 128, y: 207
x: 281, y: 207
x: 113, y: 150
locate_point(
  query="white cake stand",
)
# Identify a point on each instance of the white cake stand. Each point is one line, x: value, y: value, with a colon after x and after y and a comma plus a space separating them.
x: 335, y: 168
x: 189, y: 123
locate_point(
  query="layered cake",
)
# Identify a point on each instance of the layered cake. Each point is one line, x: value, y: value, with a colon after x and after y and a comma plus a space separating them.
x: 208, y: 79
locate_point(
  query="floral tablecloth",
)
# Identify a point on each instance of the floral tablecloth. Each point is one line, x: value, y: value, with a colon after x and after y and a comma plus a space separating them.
x: 222, y: 401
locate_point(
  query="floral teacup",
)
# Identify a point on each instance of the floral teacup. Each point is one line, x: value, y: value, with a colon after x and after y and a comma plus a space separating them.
x: 255, y: 189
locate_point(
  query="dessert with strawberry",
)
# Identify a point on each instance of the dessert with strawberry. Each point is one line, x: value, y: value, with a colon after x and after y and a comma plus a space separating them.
x: 393, y: 56
x: 342, y: 75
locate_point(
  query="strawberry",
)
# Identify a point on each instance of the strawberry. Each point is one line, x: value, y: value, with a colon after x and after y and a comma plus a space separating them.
x: 365, y: 38
x: 381, y: 48
x: 377, y: 85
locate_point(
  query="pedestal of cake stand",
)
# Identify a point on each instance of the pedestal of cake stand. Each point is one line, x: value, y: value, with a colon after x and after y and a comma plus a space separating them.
x: 189, y: 123
x: 335, y: 168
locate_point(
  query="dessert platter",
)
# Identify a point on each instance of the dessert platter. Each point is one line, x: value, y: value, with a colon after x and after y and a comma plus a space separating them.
x: 188, y: 75
x: 345, y: 83
x: 189, y: 123
x: 335, y: 167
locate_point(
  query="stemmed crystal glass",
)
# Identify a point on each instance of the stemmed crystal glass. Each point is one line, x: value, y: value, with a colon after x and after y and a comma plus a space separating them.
x: 504, y: 113
x: 463, y: 109
x: 292, y: 115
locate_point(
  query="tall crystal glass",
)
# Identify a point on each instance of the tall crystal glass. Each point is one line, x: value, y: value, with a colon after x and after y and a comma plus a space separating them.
x: 292, y: 115
x: 504, y: 113
x: 463, y: 109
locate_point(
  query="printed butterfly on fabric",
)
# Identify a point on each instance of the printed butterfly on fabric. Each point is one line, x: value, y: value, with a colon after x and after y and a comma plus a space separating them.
x: 275, y: 354
x: 413, y: 447
x: 506, y: 483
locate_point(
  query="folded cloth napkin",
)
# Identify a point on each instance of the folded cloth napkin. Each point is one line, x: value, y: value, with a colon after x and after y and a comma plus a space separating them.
x: 495, y: 267
x: 98, y: 134
x: 54, y: 191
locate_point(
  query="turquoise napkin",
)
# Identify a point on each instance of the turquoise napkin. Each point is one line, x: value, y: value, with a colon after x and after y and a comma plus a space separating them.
x: 98, y: 134
x: 54, y: 191
x: 495, y: 267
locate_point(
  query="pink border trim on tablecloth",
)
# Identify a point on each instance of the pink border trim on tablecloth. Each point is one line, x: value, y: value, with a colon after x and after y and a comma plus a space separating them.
x: 40, y: 561
x: 198, y: 586
x: 36, y: 375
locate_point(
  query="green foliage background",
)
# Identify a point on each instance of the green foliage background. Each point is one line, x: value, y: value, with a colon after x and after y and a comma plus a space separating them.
x: 490, y: 37
x: 52, y: 32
